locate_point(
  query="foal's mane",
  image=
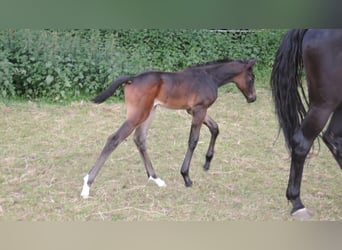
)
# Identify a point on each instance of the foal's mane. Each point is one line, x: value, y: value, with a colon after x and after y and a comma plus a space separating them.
x: 224, y: 60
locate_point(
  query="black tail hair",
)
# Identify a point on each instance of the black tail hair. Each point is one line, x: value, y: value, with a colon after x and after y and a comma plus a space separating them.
x: 111, y: 89
x: 286, y: 81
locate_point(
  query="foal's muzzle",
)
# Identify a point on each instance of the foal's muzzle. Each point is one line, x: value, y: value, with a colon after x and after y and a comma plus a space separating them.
x: 251, y: 98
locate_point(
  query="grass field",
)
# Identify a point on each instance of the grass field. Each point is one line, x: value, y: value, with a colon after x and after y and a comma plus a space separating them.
x: 45, y: 150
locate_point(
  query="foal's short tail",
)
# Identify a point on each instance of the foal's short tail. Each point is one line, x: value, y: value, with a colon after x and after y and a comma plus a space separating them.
x: 111, y: 89
x: 286, y: 82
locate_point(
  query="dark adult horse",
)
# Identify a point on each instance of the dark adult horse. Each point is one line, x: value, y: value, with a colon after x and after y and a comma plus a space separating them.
x: 320, y: 52
x: 193, y: 89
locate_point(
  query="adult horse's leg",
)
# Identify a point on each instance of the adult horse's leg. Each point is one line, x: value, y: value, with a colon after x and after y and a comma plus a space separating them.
x: 333, y: 136
x: 214, y: 130
x: 198, y: 116
x: 140, y: 141
x: 112, y: 142
x: 301, y: 143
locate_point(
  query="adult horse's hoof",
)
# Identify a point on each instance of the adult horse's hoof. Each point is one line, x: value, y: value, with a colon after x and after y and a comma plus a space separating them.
x: 302, y: 214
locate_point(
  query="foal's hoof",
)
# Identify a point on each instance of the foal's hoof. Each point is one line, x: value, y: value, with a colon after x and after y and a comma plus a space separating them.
x: 85, y: 196
x: 206, y: 166
x: 158, y: 181
x: 86, y: 188
x: 188, y: 183
x: 85, y: 192
x: 302, y: 214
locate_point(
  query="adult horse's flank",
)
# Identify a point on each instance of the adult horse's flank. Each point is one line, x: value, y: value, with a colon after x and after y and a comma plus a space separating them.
x: 320, y: 52
x: 193, y: 89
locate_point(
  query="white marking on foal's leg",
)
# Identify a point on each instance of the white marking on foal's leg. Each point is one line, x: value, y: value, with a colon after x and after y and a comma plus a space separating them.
x: 86, y: 188
x: 158, y: 181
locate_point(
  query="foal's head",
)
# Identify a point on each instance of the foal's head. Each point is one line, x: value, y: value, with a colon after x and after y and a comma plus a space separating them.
x: 245, y: 80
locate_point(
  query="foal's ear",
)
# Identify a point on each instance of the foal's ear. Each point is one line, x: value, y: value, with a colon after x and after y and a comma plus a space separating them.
x: 251, y: 62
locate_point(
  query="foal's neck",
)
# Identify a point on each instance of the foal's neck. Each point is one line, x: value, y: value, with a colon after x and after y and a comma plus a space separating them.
x: 223, y: 73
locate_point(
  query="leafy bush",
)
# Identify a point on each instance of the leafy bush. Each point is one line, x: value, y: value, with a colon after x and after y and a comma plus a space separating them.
x: 61, y: 64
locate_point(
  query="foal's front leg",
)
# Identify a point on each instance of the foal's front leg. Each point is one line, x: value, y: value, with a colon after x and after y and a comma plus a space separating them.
x: 214, y: 130
x: 197, y: 120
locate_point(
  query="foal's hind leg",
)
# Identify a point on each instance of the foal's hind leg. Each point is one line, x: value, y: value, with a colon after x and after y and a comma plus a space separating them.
x: 214, y: 130
x: 333, y: 136
x: 112, y: 142
x: 140, y: 141
x: 302, y: 141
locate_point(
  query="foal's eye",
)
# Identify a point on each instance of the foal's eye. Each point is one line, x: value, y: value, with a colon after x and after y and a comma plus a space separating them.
x: 251, y: 77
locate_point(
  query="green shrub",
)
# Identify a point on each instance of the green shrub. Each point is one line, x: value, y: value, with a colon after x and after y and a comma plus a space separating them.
x: 61, y: 64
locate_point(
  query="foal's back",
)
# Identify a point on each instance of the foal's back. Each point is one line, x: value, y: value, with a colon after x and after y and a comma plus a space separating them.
x: 176, y: 90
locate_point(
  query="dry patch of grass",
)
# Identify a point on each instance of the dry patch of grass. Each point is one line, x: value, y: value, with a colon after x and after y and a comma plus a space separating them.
x: 46, y: 150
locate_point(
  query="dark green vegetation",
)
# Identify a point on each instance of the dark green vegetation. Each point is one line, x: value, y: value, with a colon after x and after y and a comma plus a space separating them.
x: 60, y: 65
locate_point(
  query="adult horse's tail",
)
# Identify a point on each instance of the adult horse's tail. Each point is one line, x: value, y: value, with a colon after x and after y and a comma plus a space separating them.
x: 111, y: 89
x: 286, y: 82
